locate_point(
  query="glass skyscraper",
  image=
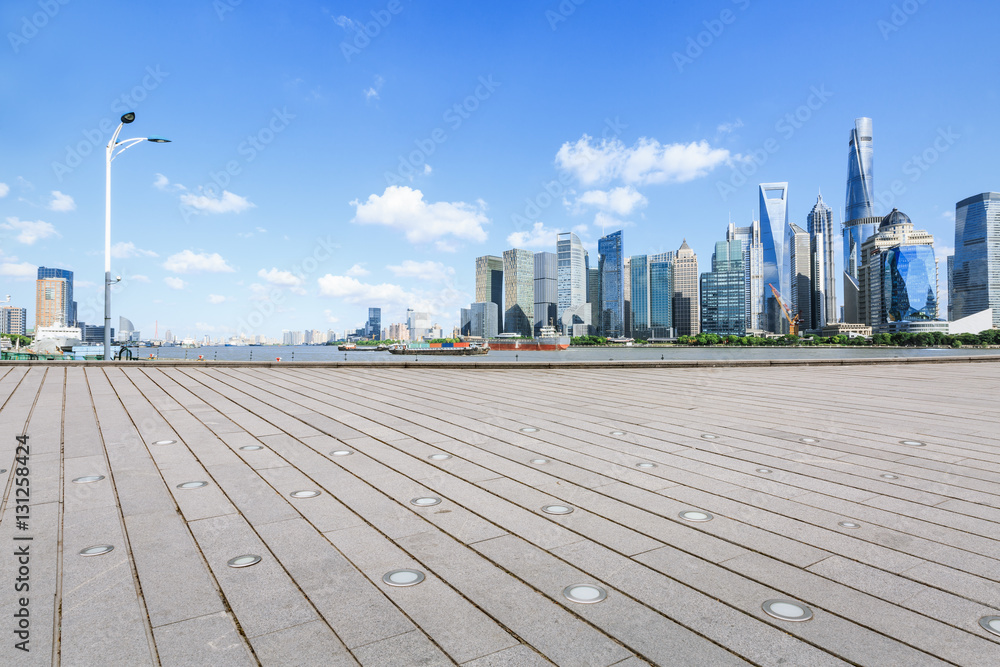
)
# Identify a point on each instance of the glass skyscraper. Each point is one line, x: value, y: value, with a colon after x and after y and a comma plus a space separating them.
x: 773, y: 223
x: 611, y: 266
x: 571, y: 273
x: 822, y: 276
x: 489, y: 280
x: 594, y: 298
x: 484, y: 320
x: 546, y: 290
x: 661, y: 294
x: 519, y: 292
x: 860, y: 222
x: 753, y: 273
x: 54, y: 298
x: 373, y: 327
x: 723, y: 299
x: 801, y: 275
x: 976, y: 274
x: 639, y: 270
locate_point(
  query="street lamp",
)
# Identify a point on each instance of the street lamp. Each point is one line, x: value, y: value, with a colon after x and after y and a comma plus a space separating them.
x: 121, y: 147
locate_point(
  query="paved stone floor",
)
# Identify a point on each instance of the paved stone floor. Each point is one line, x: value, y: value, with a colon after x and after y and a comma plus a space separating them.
x: 780, y: 456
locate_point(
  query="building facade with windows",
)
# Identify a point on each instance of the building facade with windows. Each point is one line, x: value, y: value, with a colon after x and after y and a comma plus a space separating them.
x: 685, y: 302
x: 611, y: 266
x: 819, y: 225
x: 800, y: 265
x: 975, y: 280
x: 489, y: 280
x: 13, y: 320
x: 546, y: 290
x: 773, y: 223
x: 723, y: 300
x: 519, y: 292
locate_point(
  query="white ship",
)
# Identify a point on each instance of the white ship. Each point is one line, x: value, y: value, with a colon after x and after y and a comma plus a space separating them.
x: 55, y: 339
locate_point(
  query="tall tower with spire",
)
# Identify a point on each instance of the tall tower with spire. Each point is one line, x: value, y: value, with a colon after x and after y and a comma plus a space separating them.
x: 860, y: 221
x: 823, y: 279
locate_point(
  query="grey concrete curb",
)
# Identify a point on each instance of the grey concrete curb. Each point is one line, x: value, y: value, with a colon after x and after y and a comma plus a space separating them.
x: 507, y: 365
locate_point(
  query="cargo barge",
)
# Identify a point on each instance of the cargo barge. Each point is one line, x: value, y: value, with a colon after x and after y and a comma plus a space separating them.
x: 545, y: 344
x: 439, y: 349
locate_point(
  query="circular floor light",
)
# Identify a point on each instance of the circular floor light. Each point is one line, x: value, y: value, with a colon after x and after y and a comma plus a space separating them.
x: 164, y: 442
x: 695, y: 515
x: 889, y: 476
x: 848, y: 524
x: 403, y: 577
x: 913, y: 443
x: 557, y: 509
x: 709, y: 436
x: 529, y: 429
x: 86, y: 479
x: 251, y: 448
x: 764, y: 471
x: 341, y: 452
x: 787, y: 610
x: 539, y: 462
x: 192, y: 485
x: 244, y: 561
x: 991, y: 624
x: 808, y: 440
x: 439, y: 457
x: 425, y: 501
x: 305, y: 493
x: 618, y: 433
x: 645, y: 464
x: 97, y: 550
x: 585, y: 593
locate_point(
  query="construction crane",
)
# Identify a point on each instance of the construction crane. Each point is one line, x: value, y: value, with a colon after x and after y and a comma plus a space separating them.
x: 793, y: 322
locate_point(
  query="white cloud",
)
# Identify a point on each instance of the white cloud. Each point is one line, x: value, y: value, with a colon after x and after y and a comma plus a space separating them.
x: 427, y: 169
x: 539, y: 236
x: 124, y: 250
x: 4, y: 189
x: 605, y: 220
x: 621, y: 200
x: 283, y: 279
x: 948, y: 215
x: 648, y: 161
x: 22, y: 271
x: 216, y: 298
x: 354, y: 291
x: 372, y: 92
x: 261, y: 230
x: 330, y: 316
x: 28, y: 232
x: 190, y: 262
x: 61, y: 202
x: 357, y: 271
x: 206, y: 201
x: 726, y: 128
x: 210, y: 203
x: 446, y: 246
x: 404, y: 209
x: 429, y: 270
x: 174, y: 282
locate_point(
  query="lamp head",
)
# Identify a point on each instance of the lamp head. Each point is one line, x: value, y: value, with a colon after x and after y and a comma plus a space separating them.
x: 129, y: 117
x: 158, y: 140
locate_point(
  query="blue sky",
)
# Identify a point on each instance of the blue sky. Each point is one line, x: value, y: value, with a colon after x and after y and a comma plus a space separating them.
x: 328, y: 157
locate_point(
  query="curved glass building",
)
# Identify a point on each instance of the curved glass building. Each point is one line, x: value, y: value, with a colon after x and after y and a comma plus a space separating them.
x: 860, y: 222
x: 909, y: 284
x: 773, y: 226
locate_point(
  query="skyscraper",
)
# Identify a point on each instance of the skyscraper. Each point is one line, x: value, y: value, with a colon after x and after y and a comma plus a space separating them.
x: 484, y: 320
x: 594, y: 299
x: 639, y: 284
x: 373, y: 327
x: 976, y: 279
x: 773, y: 223
x: 753, y: 273
x: 800, y: 253
x: 571, y: 274
x: 722, y: 295
x: 611, y: 265
x: 951, y: 287
x: 685, y: 304
x: 822, y: 276
x: 661, y: 294
x: 54, y: 298
x: 519, y: 292
x: 489, y: 280
x: 13, y: 320
x: 898, y: 277
x: 627, y: 296
x: 546, y: 290
x: 861, y: 221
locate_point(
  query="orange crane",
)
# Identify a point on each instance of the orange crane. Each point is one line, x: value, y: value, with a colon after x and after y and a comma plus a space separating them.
x: 793, y: 322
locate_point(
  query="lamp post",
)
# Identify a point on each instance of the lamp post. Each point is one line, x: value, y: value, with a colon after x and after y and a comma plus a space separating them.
x: 121, y: 147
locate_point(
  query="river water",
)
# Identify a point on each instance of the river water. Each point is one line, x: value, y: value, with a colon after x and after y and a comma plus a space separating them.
x: 330, y: 353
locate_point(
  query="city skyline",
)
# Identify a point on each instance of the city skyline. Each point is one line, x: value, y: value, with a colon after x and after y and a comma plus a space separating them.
x: 315, y: 201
